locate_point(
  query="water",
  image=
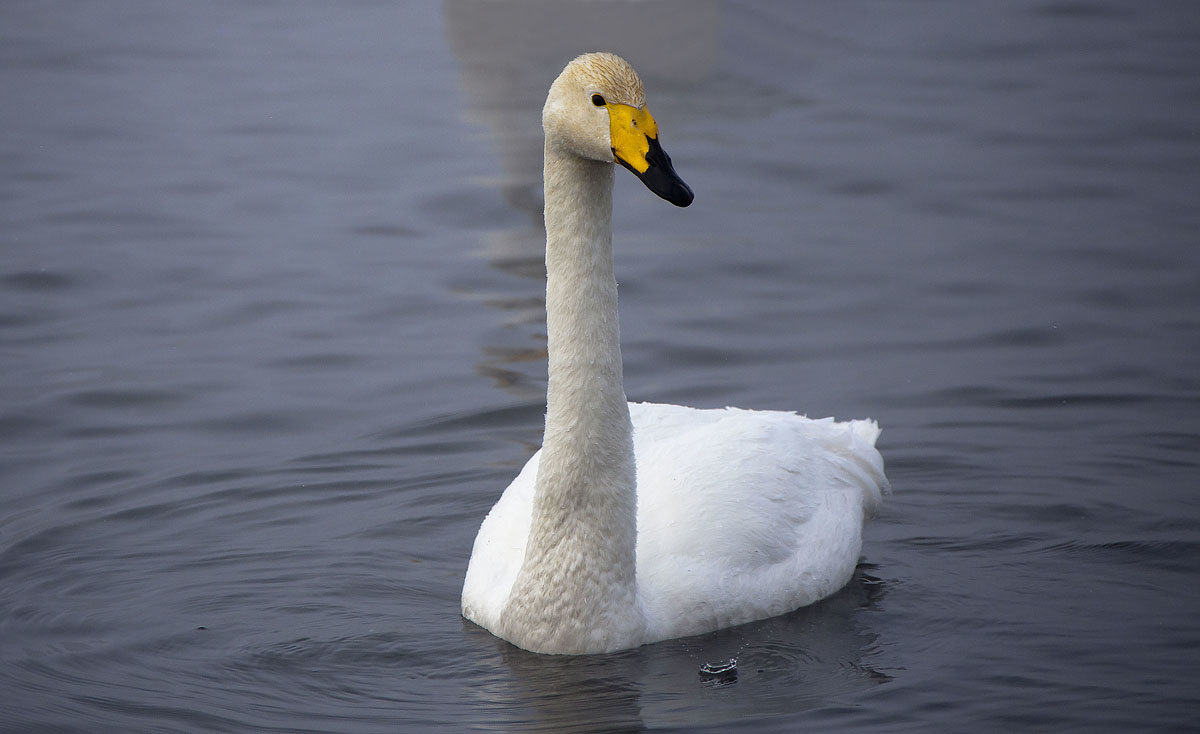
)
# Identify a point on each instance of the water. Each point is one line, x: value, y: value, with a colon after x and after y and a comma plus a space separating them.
x: 270, y: 317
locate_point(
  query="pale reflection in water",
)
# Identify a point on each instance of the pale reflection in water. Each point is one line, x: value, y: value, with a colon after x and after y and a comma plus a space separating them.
x: 508, y: 53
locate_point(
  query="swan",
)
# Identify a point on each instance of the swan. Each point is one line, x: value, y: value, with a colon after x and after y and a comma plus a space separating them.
x: 641, y: 522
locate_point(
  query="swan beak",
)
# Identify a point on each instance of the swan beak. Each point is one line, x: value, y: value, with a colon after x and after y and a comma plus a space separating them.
x: 635, y: 145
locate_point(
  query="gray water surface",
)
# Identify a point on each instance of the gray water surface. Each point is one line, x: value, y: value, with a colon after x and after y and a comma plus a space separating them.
x: 272, y: 344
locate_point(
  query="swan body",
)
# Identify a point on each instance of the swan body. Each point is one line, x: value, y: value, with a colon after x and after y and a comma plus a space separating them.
x: 640, y: 522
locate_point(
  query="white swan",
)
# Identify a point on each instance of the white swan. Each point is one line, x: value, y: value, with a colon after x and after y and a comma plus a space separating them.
x: 680, y: 521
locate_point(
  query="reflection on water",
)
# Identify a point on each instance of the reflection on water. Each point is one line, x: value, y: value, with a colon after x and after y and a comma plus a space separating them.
x: 506, y: 62
x: 271, y: 320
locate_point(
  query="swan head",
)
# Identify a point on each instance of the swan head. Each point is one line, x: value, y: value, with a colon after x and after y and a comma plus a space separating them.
x: 596, y: 109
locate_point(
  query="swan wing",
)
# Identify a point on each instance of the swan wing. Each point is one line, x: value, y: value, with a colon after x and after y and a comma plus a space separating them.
x: 499, y: 550
x: 744, y: 515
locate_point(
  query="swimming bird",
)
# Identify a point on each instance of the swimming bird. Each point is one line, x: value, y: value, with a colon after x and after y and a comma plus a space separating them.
x: 641, y: 522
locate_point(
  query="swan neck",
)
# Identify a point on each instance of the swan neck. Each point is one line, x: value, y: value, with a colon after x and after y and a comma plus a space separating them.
x: 576, y: 591
x: 587, y: 416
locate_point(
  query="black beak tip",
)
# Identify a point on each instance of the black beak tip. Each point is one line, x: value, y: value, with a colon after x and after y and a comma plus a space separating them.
x: 660, y: 176
x: 682, y: 196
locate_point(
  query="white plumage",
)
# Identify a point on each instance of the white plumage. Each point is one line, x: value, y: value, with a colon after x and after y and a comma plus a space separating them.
x: 640, y: 522
x: 741, y: 515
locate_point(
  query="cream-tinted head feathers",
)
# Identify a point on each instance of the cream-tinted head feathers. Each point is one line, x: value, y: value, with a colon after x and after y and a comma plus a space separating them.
x: 596, y: 110
x: 611, y: 76
x: 571, y: 119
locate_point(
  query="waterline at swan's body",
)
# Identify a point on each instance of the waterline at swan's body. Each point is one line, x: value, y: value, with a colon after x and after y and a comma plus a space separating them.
x: 769, y: 522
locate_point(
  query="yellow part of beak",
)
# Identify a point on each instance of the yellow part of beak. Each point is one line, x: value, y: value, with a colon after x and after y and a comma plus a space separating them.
x: 631, y: 130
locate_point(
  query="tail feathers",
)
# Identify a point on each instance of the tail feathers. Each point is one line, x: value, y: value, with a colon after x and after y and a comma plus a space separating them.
x: 865, y: 464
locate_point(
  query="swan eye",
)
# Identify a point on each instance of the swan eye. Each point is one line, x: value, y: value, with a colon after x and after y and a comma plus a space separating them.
x: 597, y: 100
